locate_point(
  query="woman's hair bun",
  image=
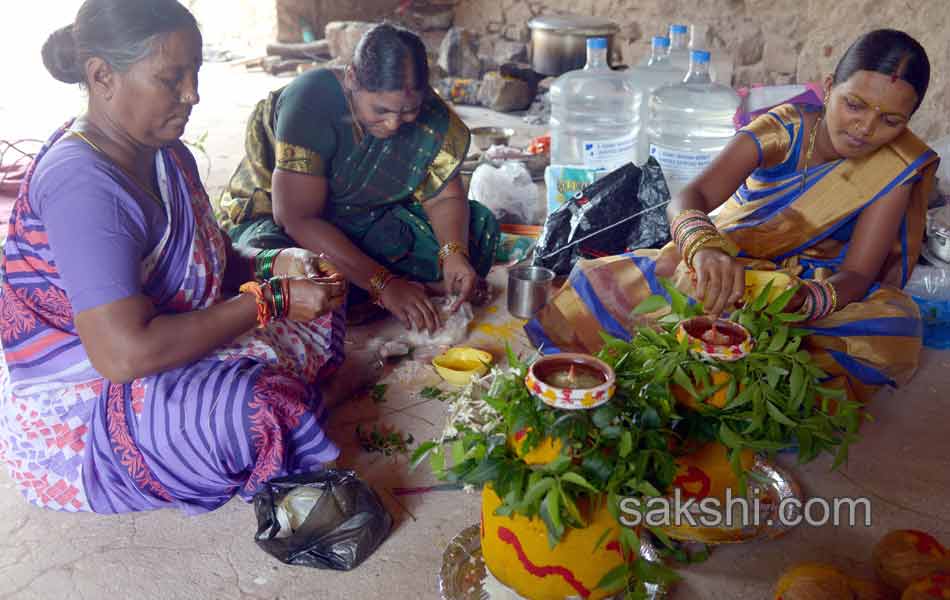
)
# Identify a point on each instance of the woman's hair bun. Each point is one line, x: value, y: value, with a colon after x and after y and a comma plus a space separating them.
x: 61, y: 56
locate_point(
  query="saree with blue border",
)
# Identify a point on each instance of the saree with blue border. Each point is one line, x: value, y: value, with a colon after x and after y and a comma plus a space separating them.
x: 780, y: 224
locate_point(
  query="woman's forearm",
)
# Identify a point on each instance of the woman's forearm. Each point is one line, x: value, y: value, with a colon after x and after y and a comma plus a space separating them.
x: 689, y: 198
x: 127, y: 340
x: 449, y: 216
x: 849, y: 287
x: 320, y: 236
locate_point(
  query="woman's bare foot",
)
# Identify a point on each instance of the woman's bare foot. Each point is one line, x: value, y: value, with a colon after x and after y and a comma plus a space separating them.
x: 360, y: 370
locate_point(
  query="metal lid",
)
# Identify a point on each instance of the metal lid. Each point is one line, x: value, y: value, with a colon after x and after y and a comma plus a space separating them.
x: 576, y: 24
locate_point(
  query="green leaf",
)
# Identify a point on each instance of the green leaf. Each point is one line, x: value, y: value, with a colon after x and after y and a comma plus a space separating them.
x: 420, y: 454
x: 778, y: 415
x: 773, y: 375
x: 378, y: 393
x: 601, y: 539
x: 597, y: 468
x: 431, y: 392
x: 699, y: 373
x: 558, y: 465
x: 536, y: 491
x: 651, y: 304
x: 614, y: 579
x: 661, y: 535
x: 797, y: 387
x: 778, y: 342
x: 458, y: 452
x: 630, y: 541
x: 626, y: 444
x: 575, y: 515
x: 486, y: 471
x: 743, y: 398
x: 648, y: 489
x: 437, y: 462
x: 577, y: 479
x: 552, y: 502
x: 682, y: 380
x: 729, y: 437
x: 760, y: 301
x: 604, y: 416
x: 678, y: 301
x: 792, y: 346
x: 781, y: 301
x: 656, y: 573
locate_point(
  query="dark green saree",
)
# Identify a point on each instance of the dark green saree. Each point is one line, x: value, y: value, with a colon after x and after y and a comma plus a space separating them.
x: 376, y: 186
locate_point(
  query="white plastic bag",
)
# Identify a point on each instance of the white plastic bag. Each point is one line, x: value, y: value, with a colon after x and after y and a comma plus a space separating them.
x: 507, y: 191
x: 942, y: 148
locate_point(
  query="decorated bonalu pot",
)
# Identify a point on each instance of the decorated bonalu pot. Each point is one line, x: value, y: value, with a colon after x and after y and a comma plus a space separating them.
x: 571, y: 381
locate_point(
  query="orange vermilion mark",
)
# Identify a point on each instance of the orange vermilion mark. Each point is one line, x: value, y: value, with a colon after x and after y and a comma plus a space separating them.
x: 508, y: 536
x: 694, y: 483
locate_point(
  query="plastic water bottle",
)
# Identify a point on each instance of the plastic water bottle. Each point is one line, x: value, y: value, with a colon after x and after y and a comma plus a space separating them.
x: 595, y: 121
x: 679, y: 47
x: 690, y: 123
x: 648, y: 78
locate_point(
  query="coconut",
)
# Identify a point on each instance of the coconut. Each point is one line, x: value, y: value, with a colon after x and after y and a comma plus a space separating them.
x: 814, y: 581
x: 905, y: 555
x: 871, y: 590
x: 936, y: 585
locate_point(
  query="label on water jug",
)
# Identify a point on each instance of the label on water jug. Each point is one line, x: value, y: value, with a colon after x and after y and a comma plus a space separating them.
x: 679, y: 167
x: 610, y: 154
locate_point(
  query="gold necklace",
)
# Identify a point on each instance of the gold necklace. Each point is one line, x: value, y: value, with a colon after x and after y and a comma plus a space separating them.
x: 146, y: 188
x: 811, y: 149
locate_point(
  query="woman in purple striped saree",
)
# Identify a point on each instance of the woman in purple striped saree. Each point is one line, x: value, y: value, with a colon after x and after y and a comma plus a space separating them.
x: 185, y: 427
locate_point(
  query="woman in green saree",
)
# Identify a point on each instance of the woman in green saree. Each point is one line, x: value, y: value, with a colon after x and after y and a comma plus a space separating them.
x: 836, y: 198
x: 362, y: 166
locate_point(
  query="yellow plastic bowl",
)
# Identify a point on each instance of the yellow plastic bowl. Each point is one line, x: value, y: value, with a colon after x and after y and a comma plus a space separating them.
x: 459, y: 365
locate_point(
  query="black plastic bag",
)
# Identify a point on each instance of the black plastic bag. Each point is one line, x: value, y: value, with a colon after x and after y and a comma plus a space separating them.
x: 345, y: 525
x: 620, y: 194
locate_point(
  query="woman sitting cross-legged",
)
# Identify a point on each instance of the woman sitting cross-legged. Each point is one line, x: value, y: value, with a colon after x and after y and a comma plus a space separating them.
x: 362, y: 164
x: 835, y: 197
x: 136, y: 375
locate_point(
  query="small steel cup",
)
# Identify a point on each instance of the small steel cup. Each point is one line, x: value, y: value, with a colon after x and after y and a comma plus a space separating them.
x: 529, y: 289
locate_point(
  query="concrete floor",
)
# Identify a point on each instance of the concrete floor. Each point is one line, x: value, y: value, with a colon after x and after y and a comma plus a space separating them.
x: 901, y: 466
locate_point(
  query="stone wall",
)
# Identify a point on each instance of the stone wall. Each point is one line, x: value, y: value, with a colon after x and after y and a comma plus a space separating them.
x: 768, y: 41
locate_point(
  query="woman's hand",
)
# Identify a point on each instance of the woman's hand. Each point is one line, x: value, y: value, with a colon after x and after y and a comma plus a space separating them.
x: 720, y: 280
x: 408, y: 302
x: 313, y: 297
x: 460, y: 279
x: 297, y: 262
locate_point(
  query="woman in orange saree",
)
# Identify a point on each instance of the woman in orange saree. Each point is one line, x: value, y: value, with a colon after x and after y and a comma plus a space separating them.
x: 836, y: 198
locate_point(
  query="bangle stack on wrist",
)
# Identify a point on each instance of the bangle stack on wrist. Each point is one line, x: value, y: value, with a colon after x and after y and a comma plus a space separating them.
x: 272, y: 297
x: 449, y: 249
x: 692, y: 231
x: 378, y: 283
x: 264, y: 264
x: 821, y: 299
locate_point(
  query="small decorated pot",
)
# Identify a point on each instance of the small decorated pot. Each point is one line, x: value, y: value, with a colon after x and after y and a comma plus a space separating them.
x: 571, y: 381
x: 717, y: 339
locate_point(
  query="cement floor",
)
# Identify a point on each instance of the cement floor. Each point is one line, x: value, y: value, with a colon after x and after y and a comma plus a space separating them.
x: 901, y: 466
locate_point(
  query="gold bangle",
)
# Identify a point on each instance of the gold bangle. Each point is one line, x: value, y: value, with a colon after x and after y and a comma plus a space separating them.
x: 378, y: 283
x: 696, y: 245
x: 449, y: 249
x: 834, y: 295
